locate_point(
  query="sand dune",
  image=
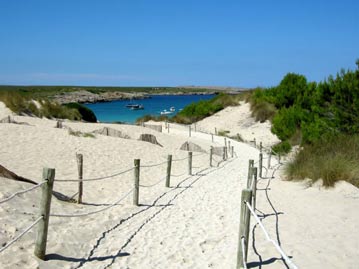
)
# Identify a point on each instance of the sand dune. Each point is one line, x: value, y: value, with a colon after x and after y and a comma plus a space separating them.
x: 193, y: 224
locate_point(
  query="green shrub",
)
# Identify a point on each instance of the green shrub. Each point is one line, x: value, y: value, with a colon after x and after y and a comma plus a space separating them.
x: 197, y: 111
x: 223, y: 132
x: 286, y: 122
x: 86, y: 113
x: 282, y: 148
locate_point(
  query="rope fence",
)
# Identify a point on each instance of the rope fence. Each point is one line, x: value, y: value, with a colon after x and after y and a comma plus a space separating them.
x: 248, y: 205
x: 21, y: 234
x: 96, y: 179
x: 47, y: 189
x: 279, y: 249
x: 95, y: 211
x: 22, y: 192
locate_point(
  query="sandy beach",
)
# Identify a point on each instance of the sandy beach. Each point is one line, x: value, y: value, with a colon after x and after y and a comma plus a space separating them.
x: 192, y: 224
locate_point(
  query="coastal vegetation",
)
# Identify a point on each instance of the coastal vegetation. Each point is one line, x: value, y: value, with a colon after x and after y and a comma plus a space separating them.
x: 322, y: 118
x: 202, y: 109
x: 26, y: 105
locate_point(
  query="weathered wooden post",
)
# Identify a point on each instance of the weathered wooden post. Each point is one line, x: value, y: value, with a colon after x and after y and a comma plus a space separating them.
x: 255, y: 143
x: 225, y: 142
x: 210, y: 156
x: 260, y: 146
x: 250, y: 173
x: 224, y: 153
x: 195, y: 127
x: 190, y: 162
x: 212, y: 137
x: 136, y: 190
x: 48, y: 175
x: 229, y: 146
x: 232, y: 151
x: 260, y: 164
x: 269, y: 158
x: 169, y: 165
x: 244, y: 228
x: 168, y: 128
x: 215, y: 130
x: 254, y: 187
x: 59, y: 124
x: 189, y: 130
x: 80, y: 163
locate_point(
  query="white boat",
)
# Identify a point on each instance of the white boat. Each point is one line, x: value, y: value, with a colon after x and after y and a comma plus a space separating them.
x: 165, y: 112
x: 172, y: 109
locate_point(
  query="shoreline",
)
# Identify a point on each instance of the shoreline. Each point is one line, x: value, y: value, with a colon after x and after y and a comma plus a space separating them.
x: 87, y: 97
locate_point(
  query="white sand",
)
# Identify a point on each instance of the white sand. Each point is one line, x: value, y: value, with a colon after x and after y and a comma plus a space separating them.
x: 194, y: 225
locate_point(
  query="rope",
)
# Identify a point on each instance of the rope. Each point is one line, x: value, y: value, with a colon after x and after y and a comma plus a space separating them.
x: 93, y: 212
x: 21, y: 235
x: 153, y: 165
x: 244, y: 253
x: 149, y: 186
x: 22, y: 192
x: 94, y: 179
x: 285, y: 257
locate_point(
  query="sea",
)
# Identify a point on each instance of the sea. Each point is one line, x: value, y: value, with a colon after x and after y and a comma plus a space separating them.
x: 116, y: 111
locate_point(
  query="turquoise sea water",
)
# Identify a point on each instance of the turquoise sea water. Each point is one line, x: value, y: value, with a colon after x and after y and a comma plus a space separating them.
x: 116, y: 111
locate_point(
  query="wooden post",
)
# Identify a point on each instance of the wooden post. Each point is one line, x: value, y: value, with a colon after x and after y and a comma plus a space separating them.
x: 244, y: 228
x: 189, y: 130
x: 215, y: 130
x: 48, y: 175
x: 255, y: 143
x: 232, y: 151
x: 212, y: 137
x: 260, y: 146
x: 254, y: 187
x: 260, y: 164
x: 195, y: 127
x: 190, y: 162
x: 229, y: 146
x: 169, y: 165
x: 168, y: 128
x: 136, y: 190
x: 224, y: 153
x: 269, y: 157
x: 80, y: 163
x: 210, y: 156
x: 225, y: 142
x: 250, y: 173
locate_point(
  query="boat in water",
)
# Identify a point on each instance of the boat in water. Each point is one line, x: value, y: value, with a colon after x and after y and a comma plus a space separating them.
x: 167, y: 112
x: 136, y: 107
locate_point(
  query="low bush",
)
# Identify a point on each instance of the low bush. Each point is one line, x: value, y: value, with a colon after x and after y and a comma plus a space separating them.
x: 282, y: 148
x: 330, y: 159
x: 198, y: 111
x: 86, y: 113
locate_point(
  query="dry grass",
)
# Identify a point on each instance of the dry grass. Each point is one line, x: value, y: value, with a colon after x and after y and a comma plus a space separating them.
x: 331, y: 160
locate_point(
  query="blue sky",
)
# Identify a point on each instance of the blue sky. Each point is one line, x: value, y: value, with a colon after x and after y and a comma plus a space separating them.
x: 171, y: 43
